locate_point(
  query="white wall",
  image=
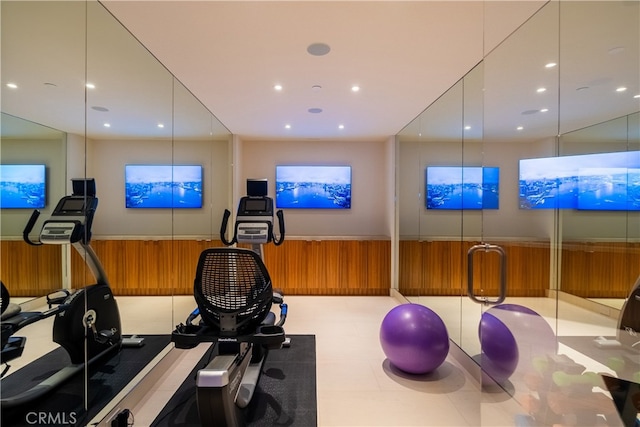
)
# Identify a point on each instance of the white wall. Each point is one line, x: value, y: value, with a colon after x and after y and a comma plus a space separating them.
x: 51, y: 153
x: 114, y: 220
x: 370, y: 215
x: 507, y: 222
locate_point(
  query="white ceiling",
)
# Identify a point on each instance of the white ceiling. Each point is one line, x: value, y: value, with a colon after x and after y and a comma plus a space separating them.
x: 403, y: 55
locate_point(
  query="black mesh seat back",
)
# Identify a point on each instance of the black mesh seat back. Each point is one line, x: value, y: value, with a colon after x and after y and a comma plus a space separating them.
x: 233, y: 290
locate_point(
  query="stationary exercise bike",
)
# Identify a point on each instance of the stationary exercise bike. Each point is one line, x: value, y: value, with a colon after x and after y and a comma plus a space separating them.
x: 87, y: 316
x: 234, y: 295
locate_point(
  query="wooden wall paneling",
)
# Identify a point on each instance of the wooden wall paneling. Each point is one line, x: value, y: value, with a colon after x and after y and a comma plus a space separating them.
x: 528, y: 269
x: 410, y: 268
x: 81, y: 275
x: 633, y: 263
x: 142, y: 263
x: 185, y: 260
x: 48, y: 267
x: 167, y: 260
x: 444, y: 262
x: 329, y: 254
x: 574, y: 260
x: 352, y: 266
x: 486, y: 274
x: 287, y: 266
x: 30, y: 271
x: 378, y: 267
x: 602, y: 269
x: 113, y: 256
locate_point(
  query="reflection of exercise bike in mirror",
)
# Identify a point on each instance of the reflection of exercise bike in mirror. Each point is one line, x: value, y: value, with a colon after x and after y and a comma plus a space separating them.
x: 88, y: 316
x: 234, y: 295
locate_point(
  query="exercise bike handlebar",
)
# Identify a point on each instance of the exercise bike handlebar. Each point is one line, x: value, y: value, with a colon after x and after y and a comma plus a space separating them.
x: 223, y: 229
x: 280, y: 216
x: 29, y: 227
x: 225, y: 222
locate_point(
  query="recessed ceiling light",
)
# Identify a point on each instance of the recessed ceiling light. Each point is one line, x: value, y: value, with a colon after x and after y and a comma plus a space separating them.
x: 621, y: 89
x: 467, y: 127
x: 315, y: 110
x: 90, y: 86
x: 355, y: 88
x: 340, y: 126
x: 277, y: 87
x: 12, y: 85
x: 101, y: 109
x: 636, y: 96
x: 160, y: 125
x: 287, y: 126
x: 107, y: 125
x: 550, y: 65
x: 316, y: 88
x: 318, y: 49
x: 541, y: 89
x: 50, y: 84
x: 519, y: 128
x: 544, y: 110
x: 582, y: 88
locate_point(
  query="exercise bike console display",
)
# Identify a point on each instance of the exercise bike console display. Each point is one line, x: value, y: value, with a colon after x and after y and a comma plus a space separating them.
x: 58, y: 232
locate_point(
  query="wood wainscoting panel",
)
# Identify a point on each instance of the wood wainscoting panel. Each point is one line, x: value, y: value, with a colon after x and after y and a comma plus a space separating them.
x: 297, y: 267
x: 440, y: 268
x: 599, y: 270
x: 30, y: 271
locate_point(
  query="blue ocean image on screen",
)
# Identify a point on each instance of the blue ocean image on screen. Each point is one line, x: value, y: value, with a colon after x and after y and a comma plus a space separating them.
x: 163, y: 186
x: 462, y: 187
x: 601, y: 181
x: 22, y: 186
x: 313, y: 187
x: 609, y: 189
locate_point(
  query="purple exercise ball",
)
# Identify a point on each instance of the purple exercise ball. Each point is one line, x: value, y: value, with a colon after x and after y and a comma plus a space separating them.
x: 414, y: 338
x: 499, y: 348
x: 533, y: 336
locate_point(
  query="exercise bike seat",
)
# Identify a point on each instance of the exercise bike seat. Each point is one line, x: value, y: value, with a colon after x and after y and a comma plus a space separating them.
x: 234, y: 294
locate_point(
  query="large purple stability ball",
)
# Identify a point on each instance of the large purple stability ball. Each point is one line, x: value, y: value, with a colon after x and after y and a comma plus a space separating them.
x: 499, y: 348
x: 414, y: 338
x: 512, y: 336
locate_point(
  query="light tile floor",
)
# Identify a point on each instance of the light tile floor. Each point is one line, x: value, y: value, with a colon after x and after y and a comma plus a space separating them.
x: 356, y: 385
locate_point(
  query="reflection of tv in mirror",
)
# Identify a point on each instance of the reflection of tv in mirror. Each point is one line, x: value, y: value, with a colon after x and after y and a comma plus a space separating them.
x: 22, y: 186
x: 462, y: 187
x: 163, y: 186
x: 601, y: 181
x: 313, y: 187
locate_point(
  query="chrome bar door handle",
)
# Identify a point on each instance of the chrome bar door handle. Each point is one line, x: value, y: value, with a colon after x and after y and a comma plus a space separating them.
x: 486, y: 247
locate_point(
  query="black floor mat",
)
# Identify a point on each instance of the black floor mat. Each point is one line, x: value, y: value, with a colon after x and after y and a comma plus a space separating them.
x: 66, y: 404
x: 285, y: 396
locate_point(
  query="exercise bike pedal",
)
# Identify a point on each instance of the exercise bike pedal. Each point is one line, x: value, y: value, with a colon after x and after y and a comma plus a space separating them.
x: 287, y: 342
x: 132, y: 341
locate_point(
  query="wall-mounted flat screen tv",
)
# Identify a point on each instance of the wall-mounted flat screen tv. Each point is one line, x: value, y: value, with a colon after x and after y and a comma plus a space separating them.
x: 23, y: 186
x: 313, y: 187
x: 163, y: 186
x: 462, y: 187
x: 600, y: 181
